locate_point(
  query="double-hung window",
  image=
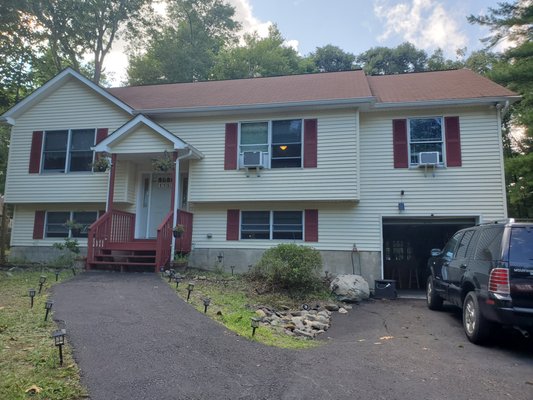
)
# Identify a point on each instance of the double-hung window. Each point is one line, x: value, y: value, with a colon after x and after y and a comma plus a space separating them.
x: 425, y: 135
x: 280, y: 142
x: 74, y: 224
x: 278, y: 225
x: 68, y: 150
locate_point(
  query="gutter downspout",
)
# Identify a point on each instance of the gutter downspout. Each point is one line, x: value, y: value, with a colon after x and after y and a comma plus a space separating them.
x: 176, y: 196
x: 501, y: 110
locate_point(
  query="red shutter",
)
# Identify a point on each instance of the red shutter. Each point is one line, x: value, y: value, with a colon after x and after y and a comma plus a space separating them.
x: 38, y: 225
x: 399, y: 139
x: 453, y: 141
x: 230, y: 155
x: 35, y: 152
x: 232, y: 229
x: 311, y: 225
x: 310, y: 143
x: 101, y: 134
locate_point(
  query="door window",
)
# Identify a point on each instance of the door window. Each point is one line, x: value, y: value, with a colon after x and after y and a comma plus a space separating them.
x: 463, y: 244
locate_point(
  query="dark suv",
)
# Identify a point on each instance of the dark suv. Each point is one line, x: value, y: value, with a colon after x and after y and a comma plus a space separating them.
x: 487, y: 270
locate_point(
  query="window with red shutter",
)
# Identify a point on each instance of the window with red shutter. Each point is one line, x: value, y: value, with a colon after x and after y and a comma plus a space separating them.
x: 453, y: 142
x: 400, y: 144
x: 230, y: 151
x: 38, y: 224
x: 310, y: 143
x: 311, y: 225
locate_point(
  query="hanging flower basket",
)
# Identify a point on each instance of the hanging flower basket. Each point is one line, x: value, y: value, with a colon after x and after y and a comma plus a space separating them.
x: 163, y: 164
x: 178, y: 230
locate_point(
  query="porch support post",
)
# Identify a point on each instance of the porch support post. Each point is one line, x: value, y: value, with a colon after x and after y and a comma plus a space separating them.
x: 111, y: 187
x: 175, y: 199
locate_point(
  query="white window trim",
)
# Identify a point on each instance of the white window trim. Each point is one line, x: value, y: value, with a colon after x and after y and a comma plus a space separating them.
x: 271, y: 225
x: 68, y: 152
x: 269, y: 144
x: 71, y: 217
x: 443, y: 141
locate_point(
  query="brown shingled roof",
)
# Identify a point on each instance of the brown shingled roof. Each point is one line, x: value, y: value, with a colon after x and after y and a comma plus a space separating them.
x: 458, y: 84
x: 239, y: 92
x: 347, y: 85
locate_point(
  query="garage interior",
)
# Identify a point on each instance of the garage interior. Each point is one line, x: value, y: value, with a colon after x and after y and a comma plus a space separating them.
x: 407, y: 244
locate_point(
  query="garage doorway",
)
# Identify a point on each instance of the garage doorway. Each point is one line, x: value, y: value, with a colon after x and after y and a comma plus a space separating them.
x: 407, y: 243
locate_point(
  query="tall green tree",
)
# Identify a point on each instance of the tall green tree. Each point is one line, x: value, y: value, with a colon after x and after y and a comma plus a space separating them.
x: 185, y: 47
x: 259, y: 57
x: 401, y: 59
x: 331, y: 58
x: 513, y: 21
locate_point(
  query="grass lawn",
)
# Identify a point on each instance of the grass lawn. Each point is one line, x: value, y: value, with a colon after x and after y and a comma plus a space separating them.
x: 28, y: 357
x: 233, y: 303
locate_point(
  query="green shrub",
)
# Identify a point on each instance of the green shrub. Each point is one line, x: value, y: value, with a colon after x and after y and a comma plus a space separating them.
x: 291, y: 268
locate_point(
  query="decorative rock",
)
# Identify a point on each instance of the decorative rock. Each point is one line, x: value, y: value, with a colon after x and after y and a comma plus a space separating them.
x: 260, y: 313
x: 350, y: 288
x: 318, y: 325
x: 304, y: 333
x: 202, y: 278
x: 342, y: 311
x: 331, y: 307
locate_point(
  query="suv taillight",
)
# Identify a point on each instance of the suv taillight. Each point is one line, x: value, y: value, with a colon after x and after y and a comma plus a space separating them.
x: 499, y: 281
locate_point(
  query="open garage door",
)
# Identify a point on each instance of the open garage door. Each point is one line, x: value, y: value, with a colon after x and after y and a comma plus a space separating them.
x: 407, y: 243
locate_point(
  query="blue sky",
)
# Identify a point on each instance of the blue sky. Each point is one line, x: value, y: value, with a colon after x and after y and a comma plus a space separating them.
x: 354, y: 25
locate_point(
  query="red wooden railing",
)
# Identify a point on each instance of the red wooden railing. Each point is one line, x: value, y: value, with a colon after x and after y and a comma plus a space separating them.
x: 112, y: 227
x: 184, y: 243
x: 164, y: 242
x: 164, y: 238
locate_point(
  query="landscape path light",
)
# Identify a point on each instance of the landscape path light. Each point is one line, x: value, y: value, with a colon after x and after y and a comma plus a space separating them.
x: 232, y: 268
x: 48, y: 306
x: 57, y: 274
x: 207, y: 301
x: 73, y: 270
x: 255, y: 324
x: 42, y: 280
x: 59, y: 341
x: 178, y: 279
x: 190, y: 288
x: 31, y: 292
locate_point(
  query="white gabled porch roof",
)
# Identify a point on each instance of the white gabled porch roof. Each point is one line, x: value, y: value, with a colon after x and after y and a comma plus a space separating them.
x: 109, y: 142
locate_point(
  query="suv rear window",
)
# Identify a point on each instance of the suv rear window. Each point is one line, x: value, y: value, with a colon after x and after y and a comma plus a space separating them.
x: 521, y: 245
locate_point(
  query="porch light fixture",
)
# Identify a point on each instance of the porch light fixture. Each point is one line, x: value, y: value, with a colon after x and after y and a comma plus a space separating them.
x: 48, y: 306
x: 255, y: 324
x: 190, y: 288
x: 57, y: 274
x: 283, y: 147
x: 42, y: 280
x: 207, y: 301
x: 220, y: 257
x: 401, y: 204
x: 31, y: 293
x: 59, y: 341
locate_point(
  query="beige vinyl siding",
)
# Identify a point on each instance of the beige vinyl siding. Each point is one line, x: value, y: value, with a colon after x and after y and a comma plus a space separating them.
x: 142, y: 140
x: 125, y: 182
x: 24, y: 217
x: 335, y: 179
x: 71, y: 106
x: 475, y: 189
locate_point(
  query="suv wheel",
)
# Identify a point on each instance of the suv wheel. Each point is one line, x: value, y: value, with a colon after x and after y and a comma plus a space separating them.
x: 433, y: 299
x: 476, y: 326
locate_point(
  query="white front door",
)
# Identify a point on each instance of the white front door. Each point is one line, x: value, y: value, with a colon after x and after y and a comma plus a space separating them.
x: 153, y: 203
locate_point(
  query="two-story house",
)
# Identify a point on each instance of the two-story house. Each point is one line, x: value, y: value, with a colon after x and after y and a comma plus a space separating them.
x: 373, y: 171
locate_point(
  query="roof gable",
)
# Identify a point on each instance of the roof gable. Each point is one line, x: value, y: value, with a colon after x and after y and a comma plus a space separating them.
x: 51, y: 86
x: 133, y: 126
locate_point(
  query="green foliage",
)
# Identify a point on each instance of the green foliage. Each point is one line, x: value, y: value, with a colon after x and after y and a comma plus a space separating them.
x: 519, y: 178
x: 331, y: 58
x: 291, y: 268
x: 68, y: 244
x: 184, y: 48
x: 383, y: 60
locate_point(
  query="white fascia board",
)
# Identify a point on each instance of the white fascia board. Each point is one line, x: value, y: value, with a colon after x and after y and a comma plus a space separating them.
x: 260, y: 107
x: 446, y: 103
x: 55, y: 83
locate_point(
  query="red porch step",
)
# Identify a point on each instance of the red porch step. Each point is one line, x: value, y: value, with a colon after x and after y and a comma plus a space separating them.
x: 136, y: 255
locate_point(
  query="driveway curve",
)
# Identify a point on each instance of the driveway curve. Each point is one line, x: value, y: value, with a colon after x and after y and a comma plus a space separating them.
x: 133, y: 338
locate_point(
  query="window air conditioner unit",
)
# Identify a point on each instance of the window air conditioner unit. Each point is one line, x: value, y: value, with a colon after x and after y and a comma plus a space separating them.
x: 252, y: 159
x: 428, y: 159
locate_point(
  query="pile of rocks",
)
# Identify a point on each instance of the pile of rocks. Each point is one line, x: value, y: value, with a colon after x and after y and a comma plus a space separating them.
x: 306, y: 324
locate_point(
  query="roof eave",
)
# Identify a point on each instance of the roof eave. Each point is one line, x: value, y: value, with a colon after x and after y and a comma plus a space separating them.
x: 447, y: 102
x: 334, y: 103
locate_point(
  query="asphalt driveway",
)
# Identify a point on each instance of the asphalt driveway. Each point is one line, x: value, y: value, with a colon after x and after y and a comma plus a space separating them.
x: 135, y: 339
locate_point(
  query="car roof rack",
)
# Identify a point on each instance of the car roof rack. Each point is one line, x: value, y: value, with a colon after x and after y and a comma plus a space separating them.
x: 507, y: 221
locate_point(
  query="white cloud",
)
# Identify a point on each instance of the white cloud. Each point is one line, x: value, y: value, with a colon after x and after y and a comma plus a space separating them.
x: 292, y: 43
x: 250, y: 24
x: 425, y: 23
